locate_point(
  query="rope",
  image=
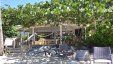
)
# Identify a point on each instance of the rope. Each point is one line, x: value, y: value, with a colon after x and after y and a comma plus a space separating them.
x: 28, y: 39
x: 43, y: 36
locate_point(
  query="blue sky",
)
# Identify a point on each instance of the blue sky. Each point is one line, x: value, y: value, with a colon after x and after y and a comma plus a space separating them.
x: 14, y: 3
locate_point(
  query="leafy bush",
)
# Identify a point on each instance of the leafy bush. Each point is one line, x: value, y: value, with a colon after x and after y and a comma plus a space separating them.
x: 9, y: 31
x: 102, y: 37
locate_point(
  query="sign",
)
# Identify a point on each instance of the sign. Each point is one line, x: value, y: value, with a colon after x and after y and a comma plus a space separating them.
x: 8, y: 42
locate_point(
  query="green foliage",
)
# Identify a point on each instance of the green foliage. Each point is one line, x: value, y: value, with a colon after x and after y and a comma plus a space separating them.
x: 58, y: 11
x: 24, y: 37
x: 93, y: 12
x: 67, y: 38
x: 9, y: 21
x: 10, y: 31
x: 102, y: 37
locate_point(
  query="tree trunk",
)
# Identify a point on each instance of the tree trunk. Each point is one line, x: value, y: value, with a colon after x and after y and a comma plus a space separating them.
x: 1, y: 37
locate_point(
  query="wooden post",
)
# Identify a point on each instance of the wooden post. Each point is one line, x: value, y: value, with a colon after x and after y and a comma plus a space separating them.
x: 33, y: 39
x: 61, y: 34
x: 28, y: 35
x: 21, y: 45
x: 85, y: 33
x: 33, y: 32
x: 28, y: 42
x: 14, y: 42
x: 54, y: 35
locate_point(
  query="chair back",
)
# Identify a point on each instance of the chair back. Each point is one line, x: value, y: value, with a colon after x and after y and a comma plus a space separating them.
x: 102, y: 53
x: 65, y: 47
x: 82, y: 55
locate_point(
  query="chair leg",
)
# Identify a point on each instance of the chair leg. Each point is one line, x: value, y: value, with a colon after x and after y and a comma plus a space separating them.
x: 85, y: 63
x: 88, y: 62
x: 109, y: 63
x: 91, y: 62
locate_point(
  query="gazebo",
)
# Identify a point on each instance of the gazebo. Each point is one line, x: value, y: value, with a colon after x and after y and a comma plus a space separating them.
x: 57, y: 31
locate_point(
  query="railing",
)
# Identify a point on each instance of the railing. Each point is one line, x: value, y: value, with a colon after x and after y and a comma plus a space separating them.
x: 26, y: 45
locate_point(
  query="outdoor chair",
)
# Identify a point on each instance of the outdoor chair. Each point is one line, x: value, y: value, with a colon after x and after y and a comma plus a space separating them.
x: 102, y: 55
x: 82, y: 56
x: 45, y: 49
x: 55, y: 47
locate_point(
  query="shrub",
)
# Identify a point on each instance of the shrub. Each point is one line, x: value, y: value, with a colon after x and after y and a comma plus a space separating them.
x: 102, y: 37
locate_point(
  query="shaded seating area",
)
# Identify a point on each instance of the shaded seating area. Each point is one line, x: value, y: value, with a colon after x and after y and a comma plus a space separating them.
x: 102, y: 55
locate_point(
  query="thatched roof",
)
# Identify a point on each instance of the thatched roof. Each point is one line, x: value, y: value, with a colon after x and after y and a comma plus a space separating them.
x: 65, y: 27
